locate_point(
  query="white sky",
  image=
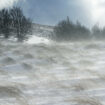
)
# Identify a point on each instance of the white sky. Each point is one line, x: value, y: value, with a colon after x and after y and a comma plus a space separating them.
x: 96, y: 9
x: 6, y: 3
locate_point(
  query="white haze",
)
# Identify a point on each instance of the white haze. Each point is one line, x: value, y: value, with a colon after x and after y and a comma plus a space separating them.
x: 7, y: 3
x: 44, y: 72
x: 37, y: 40
x: 96, y: 10
x: 52, y: 73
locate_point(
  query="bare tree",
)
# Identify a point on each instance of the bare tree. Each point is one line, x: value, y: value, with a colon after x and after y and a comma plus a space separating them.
x: 67, y: 30
x: 21, y: 25
x: 5, y: 22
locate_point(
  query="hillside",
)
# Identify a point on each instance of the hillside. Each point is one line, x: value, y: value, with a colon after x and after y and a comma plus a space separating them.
x: 42, y: 30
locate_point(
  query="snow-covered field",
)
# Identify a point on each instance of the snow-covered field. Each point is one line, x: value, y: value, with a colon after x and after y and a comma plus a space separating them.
x: 49, y: 73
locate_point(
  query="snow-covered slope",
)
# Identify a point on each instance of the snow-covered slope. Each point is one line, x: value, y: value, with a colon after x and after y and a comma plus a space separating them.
x: 52, y: 73
x: 42, y: 30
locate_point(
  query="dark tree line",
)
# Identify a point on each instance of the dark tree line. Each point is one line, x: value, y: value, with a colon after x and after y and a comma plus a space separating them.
x: 98, y: 33
x: 14, y: 23
x: 67, y: 30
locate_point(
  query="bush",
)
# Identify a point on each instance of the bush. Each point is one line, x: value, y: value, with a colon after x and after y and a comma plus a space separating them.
x: 20, y: 23
x: 66, y: 30
x: 14, y: 21
x: 5, y: 23
x: 98, y: 33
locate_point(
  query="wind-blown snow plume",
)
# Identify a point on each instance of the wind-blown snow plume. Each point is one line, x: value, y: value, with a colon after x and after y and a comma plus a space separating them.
x: 7, y: 3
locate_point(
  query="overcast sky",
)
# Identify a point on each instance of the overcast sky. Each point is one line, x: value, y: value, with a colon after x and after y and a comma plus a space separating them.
x: 88, y: 12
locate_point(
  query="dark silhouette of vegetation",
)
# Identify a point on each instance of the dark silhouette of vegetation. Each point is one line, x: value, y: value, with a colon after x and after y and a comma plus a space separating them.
x: 13, y: 22
x: 5, y: 22
x: 20, y: 23
x: 66, y: 30
x: 98, y: 33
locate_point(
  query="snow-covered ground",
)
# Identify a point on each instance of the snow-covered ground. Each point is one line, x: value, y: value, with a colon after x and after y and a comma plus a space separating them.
x: 42, y: 30
x: 51, y: 73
